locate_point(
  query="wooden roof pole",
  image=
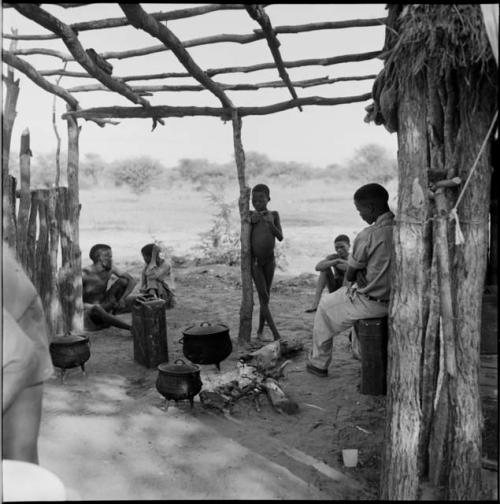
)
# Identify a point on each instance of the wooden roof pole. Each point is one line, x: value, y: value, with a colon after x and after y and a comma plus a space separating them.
x: 30, y: 71
x: 71, y: 41
x: 139, y: 18
x: 347, y: 58
x: 100, y: 24
x: 11, y: 95
x: 257, y: 13
x: 212, y: 39
x: 233, y: 87
x: 334, y: 60
x: 169, y: 111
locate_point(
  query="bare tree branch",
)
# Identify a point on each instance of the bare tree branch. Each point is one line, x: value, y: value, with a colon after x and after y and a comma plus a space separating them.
x: 257, y: 13
x: 139, y: 18
x: 30, y: 71
x: 347, y: 58
x: 43, y: 18
x: 100, y: 24
x: 223, y: 113
x: 227, y: 87
x: 213, y: 39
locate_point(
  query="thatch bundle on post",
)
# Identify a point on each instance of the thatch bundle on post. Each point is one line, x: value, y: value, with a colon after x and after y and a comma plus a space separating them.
x: 440, y: 72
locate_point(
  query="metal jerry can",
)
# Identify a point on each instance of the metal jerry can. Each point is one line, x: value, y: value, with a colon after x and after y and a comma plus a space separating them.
x: 149, y: 331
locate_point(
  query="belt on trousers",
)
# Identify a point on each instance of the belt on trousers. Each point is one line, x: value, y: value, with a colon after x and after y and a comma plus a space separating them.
x: 374, y: 299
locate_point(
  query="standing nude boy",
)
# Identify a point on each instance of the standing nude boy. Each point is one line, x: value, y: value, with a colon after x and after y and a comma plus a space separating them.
x: 265, y: 228
x: 100, y: 303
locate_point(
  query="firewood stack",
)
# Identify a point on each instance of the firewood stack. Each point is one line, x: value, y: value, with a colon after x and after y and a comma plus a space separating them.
x: 258, y: 373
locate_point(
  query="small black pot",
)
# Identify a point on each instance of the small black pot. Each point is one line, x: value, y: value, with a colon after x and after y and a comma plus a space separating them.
x: 70, y: 351
x: 206, y: 343
x: 178, y: 381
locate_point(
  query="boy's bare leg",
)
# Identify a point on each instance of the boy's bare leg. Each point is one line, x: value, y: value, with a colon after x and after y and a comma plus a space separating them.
x: 21, y: 424
x: 263, y: 278
x: 99, y: 314
x: 322, y: 279
x: 270, y: 322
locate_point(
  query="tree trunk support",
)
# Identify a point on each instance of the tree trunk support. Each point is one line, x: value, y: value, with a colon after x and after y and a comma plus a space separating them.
x: 74, y: 217
x: 246, y: 308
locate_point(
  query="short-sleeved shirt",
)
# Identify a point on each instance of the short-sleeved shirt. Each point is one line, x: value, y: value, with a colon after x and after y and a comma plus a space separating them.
x: 371, y: 256
x: 21, y: 301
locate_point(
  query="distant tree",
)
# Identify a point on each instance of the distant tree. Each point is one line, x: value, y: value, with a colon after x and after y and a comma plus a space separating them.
x: 138, y: 173
x: 201, y: 172
x: 92, y: 169
x: 256, y: 164
x: 43, y: 170
x: 373, y: 163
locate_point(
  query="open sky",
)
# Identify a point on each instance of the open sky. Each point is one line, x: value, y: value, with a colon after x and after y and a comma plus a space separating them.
x: 317, y: 135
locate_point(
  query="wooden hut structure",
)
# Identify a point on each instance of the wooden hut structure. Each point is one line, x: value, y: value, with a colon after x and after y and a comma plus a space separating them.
x: 437, y: 91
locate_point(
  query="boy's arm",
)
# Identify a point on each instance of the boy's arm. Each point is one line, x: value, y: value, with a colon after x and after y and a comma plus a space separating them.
x: 358, y: 259
x: 157, y: 272
x: 273, y: 218
x: 327, y: 262
x: 130, y: 282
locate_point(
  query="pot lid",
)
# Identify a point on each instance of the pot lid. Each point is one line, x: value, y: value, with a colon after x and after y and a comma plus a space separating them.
x: 69, y: 339
x: 179, y: 369
x: 205, y: 328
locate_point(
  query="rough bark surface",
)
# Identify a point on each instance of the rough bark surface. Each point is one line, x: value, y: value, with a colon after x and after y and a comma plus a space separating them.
x: 25, y: 197
x: 74, y: 217
x: 468, y: 284
x: 246, y: 308
x: 400, y: 459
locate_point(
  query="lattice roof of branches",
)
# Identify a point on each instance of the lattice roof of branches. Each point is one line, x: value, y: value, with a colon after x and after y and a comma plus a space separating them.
x: 132, y: 57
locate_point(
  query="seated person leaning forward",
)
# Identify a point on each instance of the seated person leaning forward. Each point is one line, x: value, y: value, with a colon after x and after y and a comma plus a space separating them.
x: 101, y: 303
x: 157, y: 275
x: 369, y: 273
x: 331, y: 270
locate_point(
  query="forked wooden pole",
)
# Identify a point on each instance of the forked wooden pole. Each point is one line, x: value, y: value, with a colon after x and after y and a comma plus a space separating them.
x: 246, y: 308
x: 74, y: 217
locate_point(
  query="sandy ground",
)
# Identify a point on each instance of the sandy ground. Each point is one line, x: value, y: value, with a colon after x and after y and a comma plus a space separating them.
x: 109, y: 434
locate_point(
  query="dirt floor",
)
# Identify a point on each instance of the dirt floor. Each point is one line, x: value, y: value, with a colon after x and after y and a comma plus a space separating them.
x: 110, y: 435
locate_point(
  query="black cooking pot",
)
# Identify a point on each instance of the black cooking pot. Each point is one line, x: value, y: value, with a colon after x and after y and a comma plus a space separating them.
x: 70, y: 351
x: 206, y: 343
x: 178, y: 381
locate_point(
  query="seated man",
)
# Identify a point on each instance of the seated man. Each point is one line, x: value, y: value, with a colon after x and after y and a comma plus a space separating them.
x: 369, y: 267
x: 100, y: 303
x: 332, y: 269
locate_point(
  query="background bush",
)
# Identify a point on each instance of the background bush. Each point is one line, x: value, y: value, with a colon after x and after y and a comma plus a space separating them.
x: 139, y: 173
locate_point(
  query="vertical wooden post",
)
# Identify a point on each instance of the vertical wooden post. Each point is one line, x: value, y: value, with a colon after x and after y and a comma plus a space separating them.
x: 430, y: 369
x: 25, y: 198
x: 246, y: 307
x: 74, y: 218
x: 64, y: 275
x: 31, y: 237
x: 476, y: 114
x: 42, y: 256
x: 54, y: 312
x: 8, y: 182
x: 409, y: 303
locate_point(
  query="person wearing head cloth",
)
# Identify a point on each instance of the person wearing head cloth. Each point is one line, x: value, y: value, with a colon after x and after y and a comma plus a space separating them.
x: 26, y: 362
